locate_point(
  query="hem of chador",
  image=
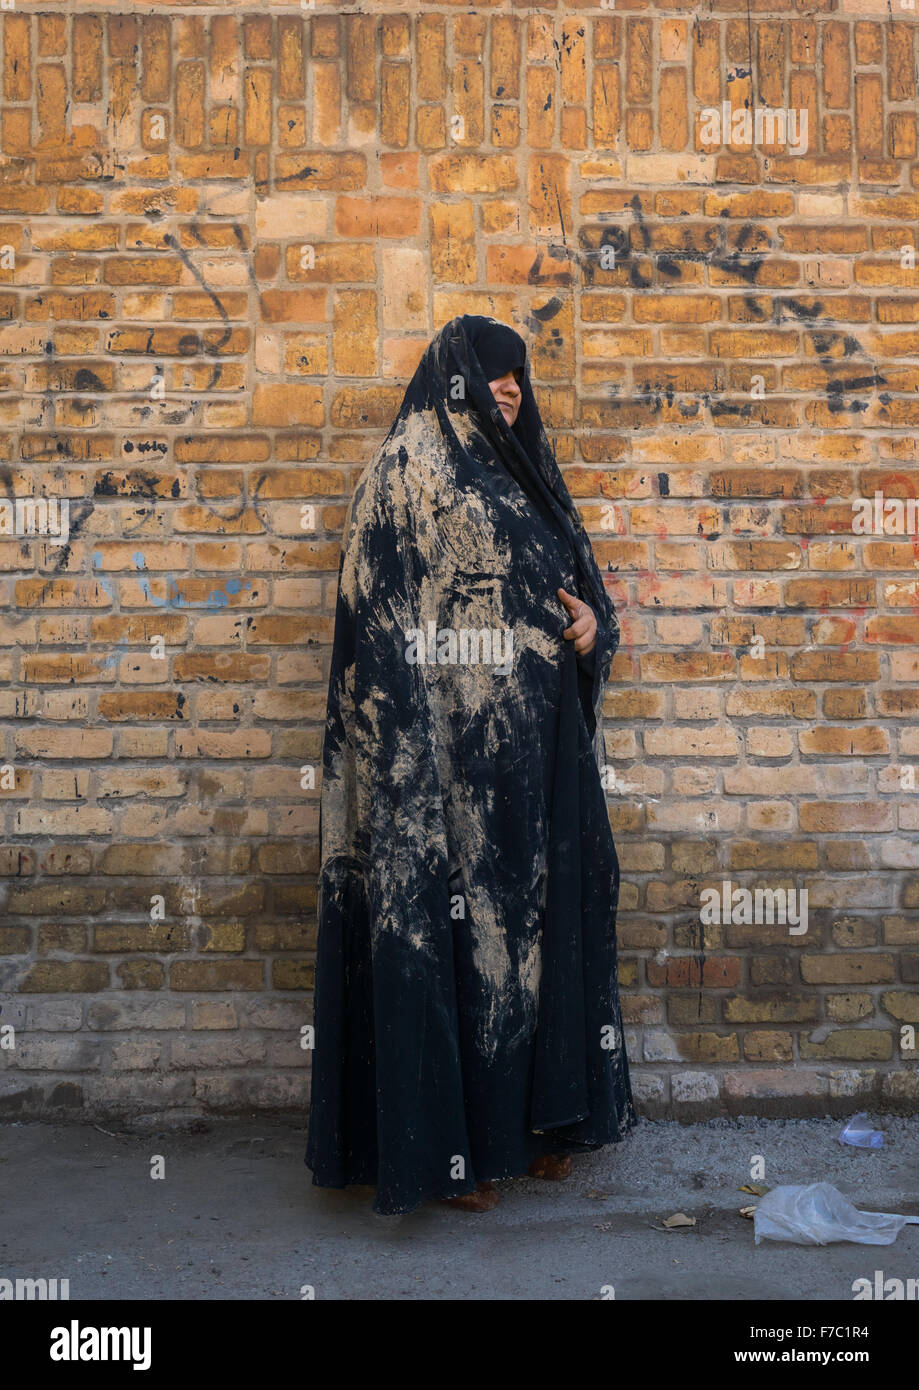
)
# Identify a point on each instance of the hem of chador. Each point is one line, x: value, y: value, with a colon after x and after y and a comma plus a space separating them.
x: 405, y: 1209
x: 563, y: 1124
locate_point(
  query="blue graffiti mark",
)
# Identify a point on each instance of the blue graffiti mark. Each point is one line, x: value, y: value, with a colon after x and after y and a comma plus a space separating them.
x: 140, y: 562
x: 217, y: 598
x: 101, y: 580
x: 114, y: 656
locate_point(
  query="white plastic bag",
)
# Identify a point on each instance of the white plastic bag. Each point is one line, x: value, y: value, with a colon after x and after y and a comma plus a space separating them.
x: 819, y: 1214
x: 859, y: 1134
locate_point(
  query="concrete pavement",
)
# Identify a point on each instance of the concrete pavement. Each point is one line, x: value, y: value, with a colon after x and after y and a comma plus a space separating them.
x: 236, y: 1217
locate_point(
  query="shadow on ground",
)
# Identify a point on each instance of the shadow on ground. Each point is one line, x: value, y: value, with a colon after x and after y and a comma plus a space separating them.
x: 236, y: 1217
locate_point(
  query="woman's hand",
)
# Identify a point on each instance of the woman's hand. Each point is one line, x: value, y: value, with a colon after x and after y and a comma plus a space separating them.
x: 583, y: 630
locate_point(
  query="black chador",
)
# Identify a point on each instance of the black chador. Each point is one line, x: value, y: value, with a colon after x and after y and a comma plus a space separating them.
x: 467, y: 1009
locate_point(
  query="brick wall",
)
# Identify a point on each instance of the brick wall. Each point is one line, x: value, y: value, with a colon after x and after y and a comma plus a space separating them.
x: 228, y: 231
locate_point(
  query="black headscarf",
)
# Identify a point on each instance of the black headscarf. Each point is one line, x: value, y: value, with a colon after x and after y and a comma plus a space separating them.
x: 499, y: 348
x: 453, y: 377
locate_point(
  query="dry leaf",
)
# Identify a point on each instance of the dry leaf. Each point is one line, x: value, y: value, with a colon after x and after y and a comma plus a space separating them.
x: 678, y: 1219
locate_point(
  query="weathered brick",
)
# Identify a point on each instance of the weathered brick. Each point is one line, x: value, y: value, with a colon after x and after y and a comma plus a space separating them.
x: 66, y: 977
x: 270, y: 213
x: 231, y: 975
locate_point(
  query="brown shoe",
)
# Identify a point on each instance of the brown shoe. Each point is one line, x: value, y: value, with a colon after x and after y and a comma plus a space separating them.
x: 485, y: 1198
x: 554, y: 1167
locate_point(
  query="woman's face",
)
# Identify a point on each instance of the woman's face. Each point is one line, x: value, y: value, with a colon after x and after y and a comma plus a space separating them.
x: 506, y: 391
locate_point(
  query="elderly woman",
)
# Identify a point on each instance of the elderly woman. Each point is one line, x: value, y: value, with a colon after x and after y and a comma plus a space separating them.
x: 467, y: 1019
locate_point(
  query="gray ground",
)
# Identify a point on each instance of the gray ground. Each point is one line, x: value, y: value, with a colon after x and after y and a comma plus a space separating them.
x: 237, y: 1217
